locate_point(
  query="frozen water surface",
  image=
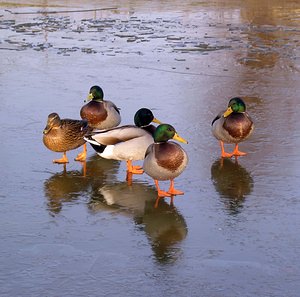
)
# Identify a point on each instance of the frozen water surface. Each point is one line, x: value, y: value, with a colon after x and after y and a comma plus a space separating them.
x: 235, y: 231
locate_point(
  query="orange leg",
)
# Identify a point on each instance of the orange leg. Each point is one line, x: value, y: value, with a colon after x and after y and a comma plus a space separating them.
x: 134, y: 169
x: 221, y: 163
x: 159, y: 191
x: 84, y: 168
x: 223, y: 153
x: 236, y: 151
x: 62, y: 160
x: 173, y: 191
x: 157, y: 201
x: 129, y: 178
x: 82, y: 156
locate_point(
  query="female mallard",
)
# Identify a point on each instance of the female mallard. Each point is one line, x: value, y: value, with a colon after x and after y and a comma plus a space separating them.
x: 233, y: 126
x: 65, y: 135
x: 165, y: 160
x: 128, y: 142
x: 100, y: 113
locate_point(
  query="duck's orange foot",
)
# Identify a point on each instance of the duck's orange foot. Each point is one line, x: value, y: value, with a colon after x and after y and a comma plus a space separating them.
x: 172, y: 190
x: 175, y: 192
x: 81, y: 157
x: 236, y: 151
x: 136, y: 170
x: 223, y: 153
x: 226, y: 155
x: 239, y: 153
x: 137, y: 167
x: 161, y: 193
x: 62, y: 160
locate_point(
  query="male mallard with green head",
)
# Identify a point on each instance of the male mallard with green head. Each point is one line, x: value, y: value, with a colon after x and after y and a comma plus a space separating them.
x: 62, y: 135
x: 127, y: 143
x: 100, y: 114
x: 233, y: 126
x: 165, y: 160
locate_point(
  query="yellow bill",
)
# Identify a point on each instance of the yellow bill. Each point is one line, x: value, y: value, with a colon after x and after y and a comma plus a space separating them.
x: 155, y: 120
x: 89, y: 97
x: 180, y: 139
x: 228, y: 112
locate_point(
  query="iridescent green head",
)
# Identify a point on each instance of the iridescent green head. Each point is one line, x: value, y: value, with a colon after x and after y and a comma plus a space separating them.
x: 143, y: 117
x: 96, y: 93
x: 165, y: 132
x: 235, y: 104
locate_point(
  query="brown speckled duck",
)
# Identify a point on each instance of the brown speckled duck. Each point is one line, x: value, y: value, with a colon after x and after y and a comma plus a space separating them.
x: 165, y: 160
x: 233, y: 126
x: 100, y: 114
x: 62, y: 135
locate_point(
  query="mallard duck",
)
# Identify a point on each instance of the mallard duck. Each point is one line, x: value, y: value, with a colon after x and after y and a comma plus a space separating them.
x: 127, y: 143
x: 62, y: 135
x: 100, y: 114
x: 232, y: 126
x: 165, y: 160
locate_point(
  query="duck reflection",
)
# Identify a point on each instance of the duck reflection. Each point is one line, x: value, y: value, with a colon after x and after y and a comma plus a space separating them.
x: 232, y: 181
x: 67, y: 186
x: 164, y: 226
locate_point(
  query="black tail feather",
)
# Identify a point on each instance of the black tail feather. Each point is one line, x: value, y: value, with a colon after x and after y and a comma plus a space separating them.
x: 98, y: 148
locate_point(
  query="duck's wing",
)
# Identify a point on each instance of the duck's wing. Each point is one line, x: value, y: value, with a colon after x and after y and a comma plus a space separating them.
x: 116, y: 135
x: 75, y: 125
x: 149, y: 150
x: 249, y: 117
x: 217, y: 117
x: 110, y: 104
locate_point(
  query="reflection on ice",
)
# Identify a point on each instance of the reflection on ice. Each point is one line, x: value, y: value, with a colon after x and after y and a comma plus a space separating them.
x: 165, y: 228
x: 184, y: 57
x: 63, y: 187
x: 163, y: 225
x: 68, y: 186
x: 233, y: 182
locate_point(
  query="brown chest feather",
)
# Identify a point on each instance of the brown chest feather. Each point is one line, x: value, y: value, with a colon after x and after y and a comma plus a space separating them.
x: 93, y: 112
x: 169, y: 155
x: 238, y: 125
